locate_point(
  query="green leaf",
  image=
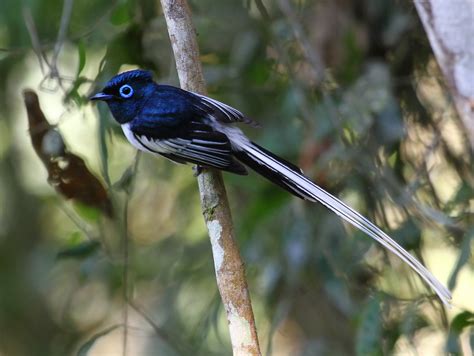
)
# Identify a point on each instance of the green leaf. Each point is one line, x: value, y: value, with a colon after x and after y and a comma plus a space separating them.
x: 369, y: 333
x: 73, y: 92
x: 464, y: 256
x: 459, y: 323
x: 462, y: 320
x: 80, y: 250
x: 75, y: 238
x: 464, y: 193
x: 81, y: 51
x: 120, y: 15
x: 84, y: 349
x: 408, y: 235
x: 86, y: 212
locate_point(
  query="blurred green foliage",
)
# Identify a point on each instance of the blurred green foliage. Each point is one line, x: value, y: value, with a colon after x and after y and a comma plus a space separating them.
x: 349, y: 90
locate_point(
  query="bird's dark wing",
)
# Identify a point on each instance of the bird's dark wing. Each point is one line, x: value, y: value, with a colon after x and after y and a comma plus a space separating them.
x: 194, y: 142
x: 222, y: 112
x: 180, y: 104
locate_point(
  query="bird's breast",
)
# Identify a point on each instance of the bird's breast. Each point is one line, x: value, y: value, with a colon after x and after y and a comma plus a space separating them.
x: 131, y: 137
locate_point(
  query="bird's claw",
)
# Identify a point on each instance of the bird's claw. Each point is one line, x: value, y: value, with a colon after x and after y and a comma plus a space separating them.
x: 197, y: 169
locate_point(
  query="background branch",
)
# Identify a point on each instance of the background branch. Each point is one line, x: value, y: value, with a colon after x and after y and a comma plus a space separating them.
x: 230, y: 273
x: 444, y: 22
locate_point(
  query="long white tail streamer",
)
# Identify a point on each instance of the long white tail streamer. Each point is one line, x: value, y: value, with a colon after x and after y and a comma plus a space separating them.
x: 315, y: 193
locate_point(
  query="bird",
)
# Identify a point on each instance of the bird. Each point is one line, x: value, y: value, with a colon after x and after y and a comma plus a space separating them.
x: 188, y: 127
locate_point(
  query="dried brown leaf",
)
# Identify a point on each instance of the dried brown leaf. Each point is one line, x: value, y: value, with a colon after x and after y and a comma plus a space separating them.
x: 67, y: 172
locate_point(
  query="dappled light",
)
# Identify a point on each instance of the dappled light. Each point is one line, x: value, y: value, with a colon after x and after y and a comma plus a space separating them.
x: 104, y: 251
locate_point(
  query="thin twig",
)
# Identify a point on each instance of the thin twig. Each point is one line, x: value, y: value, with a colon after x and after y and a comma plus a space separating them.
x: 61, y: 38
x: 65, y: 18
x: 64, y: 24
x: 35, y: 42
x: 81, y: 225
x: 125, y: 247
x: 303, y: 102
x: 262, y: 9
x: 162, y: 334
x: 180, y: 348
x: 310, y: 52
x: 230, y: 273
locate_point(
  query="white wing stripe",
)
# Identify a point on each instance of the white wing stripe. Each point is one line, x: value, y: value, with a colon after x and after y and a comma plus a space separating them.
x: 231, y: 113
x: 184, y: 148
x: 210, y: 142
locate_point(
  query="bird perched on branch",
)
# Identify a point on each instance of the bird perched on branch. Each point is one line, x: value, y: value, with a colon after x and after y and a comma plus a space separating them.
x: 186, y: 127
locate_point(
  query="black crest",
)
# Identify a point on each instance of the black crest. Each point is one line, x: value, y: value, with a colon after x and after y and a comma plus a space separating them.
x: 132, y: 76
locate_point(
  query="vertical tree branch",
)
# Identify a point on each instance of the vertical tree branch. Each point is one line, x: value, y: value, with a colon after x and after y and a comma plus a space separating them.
x: 449, y: 25
x: 230, y: 273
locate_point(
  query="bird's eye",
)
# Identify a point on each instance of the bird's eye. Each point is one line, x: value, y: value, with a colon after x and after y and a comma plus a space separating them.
x: 126, y: 91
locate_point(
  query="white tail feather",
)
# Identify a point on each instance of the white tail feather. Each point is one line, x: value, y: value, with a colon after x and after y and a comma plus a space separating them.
x: 315, y: 193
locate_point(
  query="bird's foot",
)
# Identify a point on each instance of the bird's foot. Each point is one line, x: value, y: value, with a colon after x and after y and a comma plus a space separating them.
x: 197, y: 169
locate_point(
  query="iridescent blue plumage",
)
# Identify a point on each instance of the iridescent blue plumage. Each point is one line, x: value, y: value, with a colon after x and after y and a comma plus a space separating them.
x: 135, y: 76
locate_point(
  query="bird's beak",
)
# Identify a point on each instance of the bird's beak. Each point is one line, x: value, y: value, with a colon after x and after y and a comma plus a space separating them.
x: 101, y: 96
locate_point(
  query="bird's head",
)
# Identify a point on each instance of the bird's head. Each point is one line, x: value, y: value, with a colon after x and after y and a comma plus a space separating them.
x: 126, y: 94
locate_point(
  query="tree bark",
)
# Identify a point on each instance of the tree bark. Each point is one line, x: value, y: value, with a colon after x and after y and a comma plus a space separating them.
x: 230, y: 272
x: 449, y: 26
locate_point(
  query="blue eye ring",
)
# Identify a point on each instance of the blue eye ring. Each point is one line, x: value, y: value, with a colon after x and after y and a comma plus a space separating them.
x: 126, y: 91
